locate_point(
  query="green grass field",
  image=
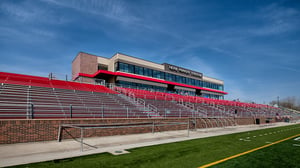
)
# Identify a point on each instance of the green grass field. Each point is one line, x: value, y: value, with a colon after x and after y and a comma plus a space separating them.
x: 284, y: 154
x: 195, y: 153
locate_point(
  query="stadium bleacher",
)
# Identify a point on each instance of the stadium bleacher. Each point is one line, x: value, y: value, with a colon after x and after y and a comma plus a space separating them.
x: 28, y: 80
x: 25, y: 96
x: 192, y: 106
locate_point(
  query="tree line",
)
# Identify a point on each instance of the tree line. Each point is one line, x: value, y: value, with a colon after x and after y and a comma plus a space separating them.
x: 288, y: 102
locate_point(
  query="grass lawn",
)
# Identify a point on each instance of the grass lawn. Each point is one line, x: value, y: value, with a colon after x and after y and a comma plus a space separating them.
x: 192, y: 153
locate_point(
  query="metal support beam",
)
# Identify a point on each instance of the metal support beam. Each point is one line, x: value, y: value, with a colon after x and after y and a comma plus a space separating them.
x: 31, y: 111
x: 71, y: 111
x: 153, y: 127
x: 188, y: 127
x: 81, y: 139
x: 59, y: 133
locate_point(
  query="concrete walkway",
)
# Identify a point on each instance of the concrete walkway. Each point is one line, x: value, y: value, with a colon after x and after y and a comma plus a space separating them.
x: 23, y: 153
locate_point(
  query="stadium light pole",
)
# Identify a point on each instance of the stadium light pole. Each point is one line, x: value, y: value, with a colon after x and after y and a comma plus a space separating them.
x: 278, y: 101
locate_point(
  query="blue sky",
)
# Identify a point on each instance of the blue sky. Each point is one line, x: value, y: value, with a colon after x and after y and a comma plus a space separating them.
x: 252, y: 45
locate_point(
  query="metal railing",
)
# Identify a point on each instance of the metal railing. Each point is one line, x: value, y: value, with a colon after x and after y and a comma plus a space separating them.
x: 32, y: 111
x: 152, y: 125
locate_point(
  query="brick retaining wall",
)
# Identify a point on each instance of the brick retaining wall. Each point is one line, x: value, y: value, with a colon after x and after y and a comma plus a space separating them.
x: 20, y: 131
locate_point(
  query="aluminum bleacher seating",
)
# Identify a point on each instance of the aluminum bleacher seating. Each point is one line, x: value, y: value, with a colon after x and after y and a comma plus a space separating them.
x: 23, y: 96
x: 175, y: 105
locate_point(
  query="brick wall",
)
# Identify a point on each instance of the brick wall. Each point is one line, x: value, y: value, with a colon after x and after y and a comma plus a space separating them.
x: 20, y: 131
x: 84, y: 63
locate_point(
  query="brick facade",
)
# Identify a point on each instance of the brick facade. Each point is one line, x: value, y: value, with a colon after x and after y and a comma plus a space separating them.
x: 21, y: 131
x: 84, y: 63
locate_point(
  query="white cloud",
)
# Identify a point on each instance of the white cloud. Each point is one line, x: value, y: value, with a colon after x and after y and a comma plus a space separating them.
x: 197, y: 64
x: 115, y: 10
x: 18, y: 11
x: 27, y: 22
x: 276, y: 20
x: 26, y: 35
x: 286, y: 68
x: 30, y: 12
x: 226, y: 52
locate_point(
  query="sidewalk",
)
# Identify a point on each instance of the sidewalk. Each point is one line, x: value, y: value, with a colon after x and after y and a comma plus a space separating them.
x: 23, y: 153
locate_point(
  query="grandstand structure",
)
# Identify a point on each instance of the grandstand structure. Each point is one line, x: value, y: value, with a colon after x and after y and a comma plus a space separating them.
x: 32, y: 97
x: 132, y: 72
x: 28, y: 97
x: 104, y: 90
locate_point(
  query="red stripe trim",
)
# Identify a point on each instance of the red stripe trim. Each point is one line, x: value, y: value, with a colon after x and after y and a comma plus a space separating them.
x: 147, y: 79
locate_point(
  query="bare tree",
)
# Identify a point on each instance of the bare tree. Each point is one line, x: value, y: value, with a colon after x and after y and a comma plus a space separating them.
x: 289, y: 102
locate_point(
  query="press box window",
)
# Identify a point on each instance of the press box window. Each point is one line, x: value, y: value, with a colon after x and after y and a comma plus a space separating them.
x: 102, y: 67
